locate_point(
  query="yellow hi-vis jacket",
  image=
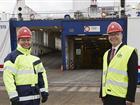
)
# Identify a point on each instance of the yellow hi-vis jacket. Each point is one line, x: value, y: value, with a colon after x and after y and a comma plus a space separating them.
x: 23, y: 69
x: 115, y: 77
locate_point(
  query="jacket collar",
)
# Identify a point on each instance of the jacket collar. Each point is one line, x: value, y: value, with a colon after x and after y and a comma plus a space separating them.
x: 23, y: 50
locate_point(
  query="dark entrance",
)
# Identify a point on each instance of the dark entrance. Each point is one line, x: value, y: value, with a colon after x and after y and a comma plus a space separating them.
x: 89, y: 51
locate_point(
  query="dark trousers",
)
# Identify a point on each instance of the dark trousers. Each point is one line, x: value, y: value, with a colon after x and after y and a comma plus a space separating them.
x: 112, y: 100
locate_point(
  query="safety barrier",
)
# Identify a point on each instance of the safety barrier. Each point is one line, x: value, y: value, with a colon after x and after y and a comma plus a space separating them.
x: 139, y: 74
x: 1, y: 67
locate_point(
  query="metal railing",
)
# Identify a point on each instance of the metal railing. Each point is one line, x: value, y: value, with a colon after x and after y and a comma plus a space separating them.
x: 51, y: 16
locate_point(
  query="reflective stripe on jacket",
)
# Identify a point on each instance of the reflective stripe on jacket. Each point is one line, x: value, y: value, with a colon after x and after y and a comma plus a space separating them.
x: 24, y: 75
x: 115, y: 78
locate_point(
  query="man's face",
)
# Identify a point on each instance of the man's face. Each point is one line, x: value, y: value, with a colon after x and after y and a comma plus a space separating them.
x: 25, y: 42
x: 115, y: 38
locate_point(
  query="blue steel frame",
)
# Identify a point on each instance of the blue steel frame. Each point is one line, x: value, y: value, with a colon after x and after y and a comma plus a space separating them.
x: 33, y: 23
x: 76, y: 27
x: 70, y: 28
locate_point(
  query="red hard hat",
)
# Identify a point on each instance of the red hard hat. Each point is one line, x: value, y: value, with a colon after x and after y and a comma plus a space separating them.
x: 114, y: 27
x: 24, y: 32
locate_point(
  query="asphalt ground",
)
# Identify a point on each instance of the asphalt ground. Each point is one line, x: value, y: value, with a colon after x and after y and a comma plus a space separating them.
x: 67, y: 98
x: 73, y: 87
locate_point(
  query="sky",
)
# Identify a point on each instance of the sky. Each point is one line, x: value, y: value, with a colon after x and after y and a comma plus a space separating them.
x: 56, y: 5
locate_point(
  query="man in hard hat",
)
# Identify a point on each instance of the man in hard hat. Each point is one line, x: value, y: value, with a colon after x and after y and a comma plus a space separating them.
x: 24, y: 75
x: 119, y: 77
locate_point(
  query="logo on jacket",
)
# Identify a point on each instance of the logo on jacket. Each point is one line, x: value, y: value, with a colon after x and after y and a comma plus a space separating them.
x: 119, y: 55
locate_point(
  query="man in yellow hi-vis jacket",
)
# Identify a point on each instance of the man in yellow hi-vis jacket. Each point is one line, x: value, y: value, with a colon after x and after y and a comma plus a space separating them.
x: 119, y: 77
x: 24, y: 76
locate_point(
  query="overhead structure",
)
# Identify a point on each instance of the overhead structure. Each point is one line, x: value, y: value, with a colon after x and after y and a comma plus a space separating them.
x: 122, y: 8
x: 24, y: 12
x: 93, y: 9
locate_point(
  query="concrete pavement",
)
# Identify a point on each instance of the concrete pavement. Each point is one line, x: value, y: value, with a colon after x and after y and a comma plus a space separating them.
x: 73, y: 87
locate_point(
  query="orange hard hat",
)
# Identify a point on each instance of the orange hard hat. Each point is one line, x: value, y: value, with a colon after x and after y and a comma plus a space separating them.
x: 114, y: 27
x: 24, y: 32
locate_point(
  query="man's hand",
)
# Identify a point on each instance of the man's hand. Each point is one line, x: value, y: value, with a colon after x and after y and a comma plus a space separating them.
x: 129, y: 103
x: 44, y: 96
x: 15, y: 101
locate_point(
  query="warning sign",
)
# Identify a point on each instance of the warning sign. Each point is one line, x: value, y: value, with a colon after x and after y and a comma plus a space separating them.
x: 91, y: 28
